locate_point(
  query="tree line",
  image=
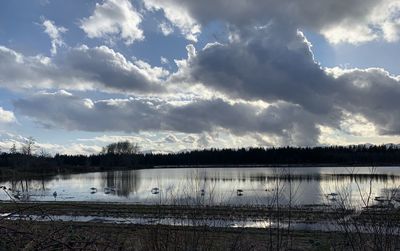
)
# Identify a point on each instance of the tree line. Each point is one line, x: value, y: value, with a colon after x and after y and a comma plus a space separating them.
x: 126, y: 155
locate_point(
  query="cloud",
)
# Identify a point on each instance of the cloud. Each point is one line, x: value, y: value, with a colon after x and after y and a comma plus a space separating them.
x: 63, y: 110
x: 166, y: 142
x: 381, y: 22
x: 372, y: 93
x: 262, y: 64
x: 7, y: 140
x: 164, y: 60
x: 114, y: 19
x: 165, y: 28
x: 189, y: 139
x: 79, y: 68
x: 260, y: 81
x: 372, y: 19
x: 171, y: 139
x: 178, y: 15
x: 356, y: 35
x: 73, y: 149
x: 54, y: 33
x: 111, y: 69
x: 259, y: 65
x: 44, y: 2
x: 6, y: 116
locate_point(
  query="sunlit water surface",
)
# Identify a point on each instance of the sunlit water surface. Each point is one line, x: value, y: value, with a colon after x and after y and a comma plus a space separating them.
x: 215, y: 186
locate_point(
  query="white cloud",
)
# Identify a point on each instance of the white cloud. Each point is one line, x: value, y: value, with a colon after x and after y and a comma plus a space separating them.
x: 72, y: 149
x: 54, y: 33
x: 357, y: 125
x: 52, y: 149
x: 165, y: 28
x: 391, y: 30
x: 164, y: 60
x: 178, y: 15
x: 165, y: 142
x: 381, y: 22
x: 114, y: 18
x: 6, y: 116
x: 7, y: 140
x: 344, y: 34
x: 171, y: 139
x: 80, y: 68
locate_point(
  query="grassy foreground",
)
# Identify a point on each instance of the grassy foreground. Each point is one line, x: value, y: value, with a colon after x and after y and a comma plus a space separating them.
x: 58, y: 235
x: 22, y: 235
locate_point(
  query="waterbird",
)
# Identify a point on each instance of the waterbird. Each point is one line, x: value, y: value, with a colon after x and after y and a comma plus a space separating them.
x: 112, y: 188
x: 107, y: 190
x: 55, y: 194
x: 155, y: 190
x: 331, y: 194
x: 239, y: 192
x: 380, y: 199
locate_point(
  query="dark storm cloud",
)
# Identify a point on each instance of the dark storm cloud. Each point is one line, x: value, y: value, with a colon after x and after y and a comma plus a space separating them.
x: 265, y: 66
x: 63, y: 110
x: 314, y: 14
x: 373, y: 93
x: 351, y: 21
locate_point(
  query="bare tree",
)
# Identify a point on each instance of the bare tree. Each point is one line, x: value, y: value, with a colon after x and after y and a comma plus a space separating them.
x: 44, y: 153
x: 28, y: 146
x: 13, y: 149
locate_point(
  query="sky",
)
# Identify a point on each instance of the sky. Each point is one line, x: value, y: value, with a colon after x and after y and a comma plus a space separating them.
x: 176, y: 75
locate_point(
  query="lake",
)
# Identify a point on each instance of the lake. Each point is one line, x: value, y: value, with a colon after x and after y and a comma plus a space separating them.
x: 215, y: 186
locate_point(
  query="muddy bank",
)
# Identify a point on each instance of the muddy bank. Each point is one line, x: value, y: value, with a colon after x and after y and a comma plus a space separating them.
x: 306, y: 213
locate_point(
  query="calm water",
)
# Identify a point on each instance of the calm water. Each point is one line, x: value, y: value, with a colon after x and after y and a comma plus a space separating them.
x: 214, y: 186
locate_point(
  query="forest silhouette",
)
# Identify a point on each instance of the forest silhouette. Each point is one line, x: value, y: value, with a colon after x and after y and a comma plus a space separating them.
x: 126, y: 155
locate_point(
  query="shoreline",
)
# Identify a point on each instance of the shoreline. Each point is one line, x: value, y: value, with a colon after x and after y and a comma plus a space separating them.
x: 303, y: 213
x: 270, y: 166
x: 7, y: 173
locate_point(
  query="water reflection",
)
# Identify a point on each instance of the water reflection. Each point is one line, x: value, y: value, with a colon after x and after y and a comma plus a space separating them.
x: 263, y: 186
x: 124, y: 183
